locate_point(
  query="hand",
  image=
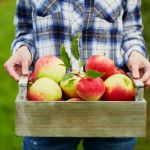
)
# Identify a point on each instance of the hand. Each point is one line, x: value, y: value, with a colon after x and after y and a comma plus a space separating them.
x: 18, y: 64
x: 139, y: 67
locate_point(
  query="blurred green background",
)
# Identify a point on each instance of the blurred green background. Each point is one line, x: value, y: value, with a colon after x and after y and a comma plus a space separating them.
x: 8, y: 87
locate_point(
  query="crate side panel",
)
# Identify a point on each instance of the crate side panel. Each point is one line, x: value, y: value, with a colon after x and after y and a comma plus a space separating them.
x: 100, y: 119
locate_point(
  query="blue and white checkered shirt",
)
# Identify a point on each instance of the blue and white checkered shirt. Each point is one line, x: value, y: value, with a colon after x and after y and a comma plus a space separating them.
x: 109, y: 27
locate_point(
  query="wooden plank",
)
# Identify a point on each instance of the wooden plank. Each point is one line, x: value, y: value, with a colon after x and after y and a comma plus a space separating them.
x: 139, y: 88
x: 23, y: 82
x: 81, y: 119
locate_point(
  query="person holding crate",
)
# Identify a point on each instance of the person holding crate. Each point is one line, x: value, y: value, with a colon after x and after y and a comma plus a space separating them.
x: 108, y: 27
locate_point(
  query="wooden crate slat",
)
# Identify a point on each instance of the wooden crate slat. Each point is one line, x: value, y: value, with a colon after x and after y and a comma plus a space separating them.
x: 84, y: 119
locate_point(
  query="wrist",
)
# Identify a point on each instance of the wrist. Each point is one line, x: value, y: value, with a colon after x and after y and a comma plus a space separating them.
x: 134, y: 52
x: 24, y: 51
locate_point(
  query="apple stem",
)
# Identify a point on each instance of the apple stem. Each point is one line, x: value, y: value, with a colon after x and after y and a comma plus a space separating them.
x: 78, y: 75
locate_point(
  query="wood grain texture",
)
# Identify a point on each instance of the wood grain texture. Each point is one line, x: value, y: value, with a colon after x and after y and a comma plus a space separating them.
x: 81, y: 119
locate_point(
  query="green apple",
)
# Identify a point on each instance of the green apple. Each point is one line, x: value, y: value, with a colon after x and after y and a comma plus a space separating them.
x: 69, y: 86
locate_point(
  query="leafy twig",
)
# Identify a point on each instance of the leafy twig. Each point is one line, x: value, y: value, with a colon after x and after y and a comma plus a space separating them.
x: 94, y: 74
x: 75, y: 46
x: 64, y: 57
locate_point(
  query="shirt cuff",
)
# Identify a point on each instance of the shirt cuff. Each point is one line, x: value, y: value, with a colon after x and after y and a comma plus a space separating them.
x: 137, y: 48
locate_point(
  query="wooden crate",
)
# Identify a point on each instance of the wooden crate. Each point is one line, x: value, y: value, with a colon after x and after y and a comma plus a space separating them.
x: 80, y: 119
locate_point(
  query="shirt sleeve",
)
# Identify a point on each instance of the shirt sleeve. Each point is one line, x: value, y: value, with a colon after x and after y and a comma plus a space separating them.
x: 133, y: 27
x: 24, y: 27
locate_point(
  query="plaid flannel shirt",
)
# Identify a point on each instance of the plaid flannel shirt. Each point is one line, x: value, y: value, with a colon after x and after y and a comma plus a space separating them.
x: 108, y: 27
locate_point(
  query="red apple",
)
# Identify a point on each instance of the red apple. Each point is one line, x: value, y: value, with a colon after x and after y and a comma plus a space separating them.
x: 119, y: 71
x: 119, y: 87
x: 44, y: 89
x: 50, y: 67
x: 90, y: 89
x: 32, y: 77
x: 101, y: 64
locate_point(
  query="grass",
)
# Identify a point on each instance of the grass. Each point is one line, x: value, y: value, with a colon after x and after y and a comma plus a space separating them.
x: 8, y: 87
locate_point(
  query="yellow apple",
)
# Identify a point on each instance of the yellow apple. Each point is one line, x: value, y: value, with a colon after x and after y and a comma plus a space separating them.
x: 44, y: 89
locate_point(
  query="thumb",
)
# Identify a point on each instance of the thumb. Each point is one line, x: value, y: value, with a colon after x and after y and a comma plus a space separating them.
x: 135, y: 71
x: 25, y: 68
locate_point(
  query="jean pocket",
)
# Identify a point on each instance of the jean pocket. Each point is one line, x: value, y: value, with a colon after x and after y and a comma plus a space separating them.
x: 45, y: 7
x: 108, y: 9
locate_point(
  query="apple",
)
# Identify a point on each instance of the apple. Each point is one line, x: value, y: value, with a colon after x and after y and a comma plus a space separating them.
x: 70, y: 90
x: 119, y: 71
x: 50, y: 67
x: 119, y: 87
x: 90, y: 89
x: 75, y: 99
x: 101, y: 64
x: 44, y: 89
x: 31, y: 77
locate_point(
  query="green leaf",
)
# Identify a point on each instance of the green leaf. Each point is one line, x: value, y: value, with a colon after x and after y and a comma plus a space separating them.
x: 75, y: 46
x: 81, y: 64
x: 67, y: 76
x: 64, y: 56
x: 94, y: 74
x: 62, y: 65
x: 70, y: 83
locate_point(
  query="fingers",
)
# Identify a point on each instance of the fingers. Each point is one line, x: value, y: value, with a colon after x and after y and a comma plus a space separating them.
x: 135, y: 72
x: 18, y: 63
x: 146, y: 76
x: 25, y: 68
x: 147, y: 84
x: 139, y: 67
x: 11, y: 71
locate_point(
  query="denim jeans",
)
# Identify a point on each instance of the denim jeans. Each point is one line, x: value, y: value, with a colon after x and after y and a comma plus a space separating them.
x: 49, y: 143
